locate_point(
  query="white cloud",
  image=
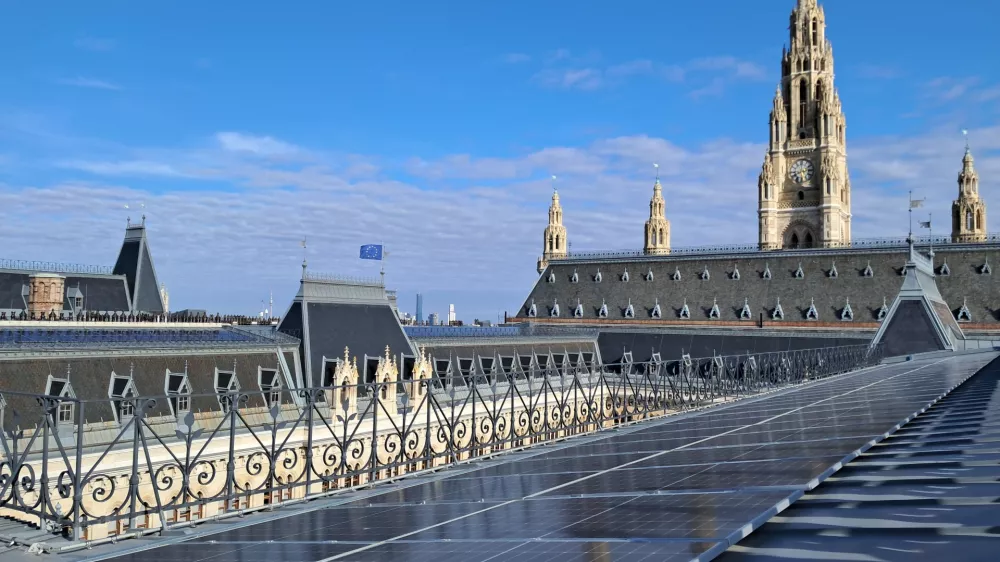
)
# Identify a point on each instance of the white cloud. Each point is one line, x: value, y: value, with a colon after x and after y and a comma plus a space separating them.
x: 460, y: 221
x: 262, y: 146
x: 83, y: 82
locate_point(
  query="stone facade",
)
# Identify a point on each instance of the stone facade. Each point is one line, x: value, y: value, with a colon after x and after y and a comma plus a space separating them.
x: 46, y: 294
x: 657, y: 227
x: 554, y: 244
x: 804, y: 190
x: 968, y: 212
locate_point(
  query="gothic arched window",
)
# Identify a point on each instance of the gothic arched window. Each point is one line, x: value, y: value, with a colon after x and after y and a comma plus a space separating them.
x: 802, y: 195
x: 969, y: 224
x: 815, y: 34
x: 829, y: 186
x: 794, y: 241
x: 803, y: 99
x: 809, y: 240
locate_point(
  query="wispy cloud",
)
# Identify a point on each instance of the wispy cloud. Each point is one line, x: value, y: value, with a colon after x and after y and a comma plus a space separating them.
x: 82, y: 82
x: 95, y: 44
x: 259, y: 145
x: 708, y: 75
x: 416, y: 206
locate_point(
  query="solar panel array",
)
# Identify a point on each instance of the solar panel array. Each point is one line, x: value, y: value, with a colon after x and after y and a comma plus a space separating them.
x: 929, y: 492
x: 676, y: 489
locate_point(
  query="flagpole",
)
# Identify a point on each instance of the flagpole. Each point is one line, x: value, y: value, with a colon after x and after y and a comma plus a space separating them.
x: 382, y: 263
x: 911, y: 216
x: 930, y: 233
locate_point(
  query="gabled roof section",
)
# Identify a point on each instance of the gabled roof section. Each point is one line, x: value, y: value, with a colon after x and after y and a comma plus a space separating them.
x: 135, y: 262
x: 919, y: 320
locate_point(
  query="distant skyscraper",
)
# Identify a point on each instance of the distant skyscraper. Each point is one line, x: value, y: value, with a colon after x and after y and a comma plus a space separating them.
x: 433, y: 319
x: 420, y: 307
x: 451, y: 313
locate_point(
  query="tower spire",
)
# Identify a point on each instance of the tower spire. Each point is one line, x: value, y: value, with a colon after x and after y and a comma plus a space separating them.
x: 554, y: 243
x: 657, y: 227
x: 805, y: 167
x: 968, y: 212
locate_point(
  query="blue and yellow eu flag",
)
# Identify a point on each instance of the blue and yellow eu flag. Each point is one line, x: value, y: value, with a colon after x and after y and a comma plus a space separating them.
x: 371, y: 252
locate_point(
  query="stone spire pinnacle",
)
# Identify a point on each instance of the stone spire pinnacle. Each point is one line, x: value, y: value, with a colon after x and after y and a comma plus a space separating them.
x: 968, y: 220
x: 657, y: 227
x: 554, y: 244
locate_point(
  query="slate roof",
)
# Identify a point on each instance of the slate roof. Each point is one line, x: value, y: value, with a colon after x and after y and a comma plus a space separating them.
x: 964, y: 282
x: 329, y: 314
x: 102, y: 293
x: 135, y: 262
x: 90, y: 378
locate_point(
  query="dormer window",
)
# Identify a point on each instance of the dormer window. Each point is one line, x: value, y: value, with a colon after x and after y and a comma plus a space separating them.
x: 676, y: 275
x: 578, y: 311
x: 625, y: 276
x: 705, y: 275
x: 178, y: 391
x: 656, y: 313
x: 882, y: 312
x: 868, y: 272
x: 685, y: 311
x: 736, y: 273
x: 799, y: 274
x: 270, y: 385
x: 767, y: 272
x: 552, y: 277
x: 847, y: 315
x: 714, y: 313
x: 964, y: 315
x: 575, y: 278
x: 944, y: 269
x: 833, y: 271
x: 122, y: 393
x: 745, y: 312
x: 62, y: 390
x: 630, y: 310
x: 532, y: 310
x: 226, y: 386
x: 985, y: 268
x: 812, y: 313
x: 649, y: 274
x: 777, y: 313
x: 598, y: 277
x: 603, y: 312
x: 554, y: 313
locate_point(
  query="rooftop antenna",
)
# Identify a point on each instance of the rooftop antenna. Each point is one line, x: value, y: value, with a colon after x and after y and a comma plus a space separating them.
x: 303, y: 242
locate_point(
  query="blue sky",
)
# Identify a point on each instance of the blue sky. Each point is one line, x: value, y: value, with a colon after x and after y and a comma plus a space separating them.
x: 434, y: 127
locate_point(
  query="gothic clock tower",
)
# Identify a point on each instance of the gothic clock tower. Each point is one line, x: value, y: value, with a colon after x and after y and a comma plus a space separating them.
x: 804, y: 191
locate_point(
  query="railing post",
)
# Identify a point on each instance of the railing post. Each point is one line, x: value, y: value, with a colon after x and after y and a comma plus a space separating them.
x: 309, y: 440
x: 233, y: 399
x: 78, y: 474
x: 377, y: 401
x: 43, y: 491
x: 133, y: 481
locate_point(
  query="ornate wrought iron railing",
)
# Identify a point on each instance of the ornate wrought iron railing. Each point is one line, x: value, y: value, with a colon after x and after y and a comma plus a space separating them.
x: 511, y: 331
x: 345, y: 279
x: 859, y: 243
x: 55, y: 267
x: 167, y: 467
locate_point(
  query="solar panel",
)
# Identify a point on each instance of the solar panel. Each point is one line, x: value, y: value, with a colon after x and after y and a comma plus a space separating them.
x: 670, y: 489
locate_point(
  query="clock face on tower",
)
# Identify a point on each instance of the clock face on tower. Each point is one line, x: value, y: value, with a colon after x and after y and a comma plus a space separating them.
x: 801, y: 171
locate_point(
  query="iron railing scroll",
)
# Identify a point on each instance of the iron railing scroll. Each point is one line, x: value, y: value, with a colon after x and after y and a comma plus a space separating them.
x: 167, y: 466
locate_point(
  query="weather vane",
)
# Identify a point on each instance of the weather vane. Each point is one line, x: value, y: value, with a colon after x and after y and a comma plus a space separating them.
x: 965, y: 133
x: 657, y: 166
x: 554, y: 184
